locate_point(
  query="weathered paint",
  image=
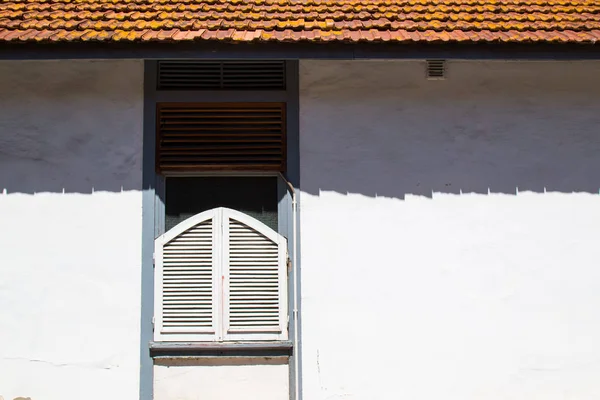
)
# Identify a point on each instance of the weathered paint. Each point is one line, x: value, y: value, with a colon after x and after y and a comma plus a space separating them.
x: 70, y: 229
x: 252, y: 379
x: 450, y: 230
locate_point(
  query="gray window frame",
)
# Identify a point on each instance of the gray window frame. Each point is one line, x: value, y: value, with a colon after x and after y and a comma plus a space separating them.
x: 153, y: 221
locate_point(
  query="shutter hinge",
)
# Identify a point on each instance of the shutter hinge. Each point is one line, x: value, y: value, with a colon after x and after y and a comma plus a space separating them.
x: 152, y: 324
x: 289, y: 265
x: 153, y: 260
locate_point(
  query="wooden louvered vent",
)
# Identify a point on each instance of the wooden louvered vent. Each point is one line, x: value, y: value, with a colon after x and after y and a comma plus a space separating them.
x: 221, y: 276
x: 221, y: 136
x: 221, y: 75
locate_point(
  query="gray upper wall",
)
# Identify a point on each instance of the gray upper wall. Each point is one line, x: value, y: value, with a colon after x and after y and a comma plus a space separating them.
x: 76, y: 125
x: 72, y: 125
x: 381, y: 128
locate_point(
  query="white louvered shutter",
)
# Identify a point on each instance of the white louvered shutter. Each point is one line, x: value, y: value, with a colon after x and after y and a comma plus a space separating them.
x: 255, y: 279
x: 186, y: 279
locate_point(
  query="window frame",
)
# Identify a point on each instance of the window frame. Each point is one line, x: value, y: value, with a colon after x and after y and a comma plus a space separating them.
x: 156, y: 182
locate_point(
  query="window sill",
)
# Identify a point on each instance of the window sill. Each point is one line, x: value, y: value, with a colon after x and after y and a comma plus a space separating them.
x: 220, y: 349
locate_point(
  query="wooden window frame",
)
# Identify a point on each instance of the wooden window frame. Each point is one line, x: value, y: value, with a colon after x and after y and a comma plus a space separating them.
x: 154, y: 208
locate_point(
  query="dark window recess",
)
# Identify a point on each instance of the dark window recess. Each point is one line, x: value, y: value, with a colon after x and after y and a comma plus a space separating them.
x: 195, y: 137
x: 221, y: 75
x: 188, y: 196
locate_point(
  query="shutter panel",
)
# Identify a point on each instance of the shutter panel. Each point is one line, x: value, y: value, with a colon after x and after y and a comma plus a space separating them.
x: 186, y: 279
x: 220, y: 136
x: 255, y: 284
x: 220, y: 275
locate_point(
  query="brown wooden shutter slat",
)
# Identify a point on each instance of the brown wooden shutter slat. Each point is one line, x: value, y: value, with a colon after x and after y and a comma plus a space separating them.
x: 196, y: 137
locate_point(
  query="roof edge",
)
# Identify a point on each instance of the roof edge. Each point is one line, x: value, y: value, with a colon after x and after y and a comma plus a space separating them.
x: 296, y: 51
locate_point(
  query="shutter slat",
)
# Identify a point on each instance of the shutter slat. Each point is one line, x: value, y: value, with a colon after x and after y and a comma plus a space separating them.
x: 200, y: 137
x: 217, y: 108
x: 231, y: 125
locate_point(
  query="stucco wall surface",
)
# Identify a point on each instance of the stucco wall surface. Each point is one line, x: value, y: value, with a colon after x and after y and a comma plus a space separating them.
x: 449, y: 230
x: 252, y: 379
x: 70, y: 229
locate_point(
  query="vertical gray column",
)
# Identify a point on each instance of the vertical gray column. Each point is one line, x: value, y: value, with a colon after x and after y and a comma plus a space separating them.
x: 150, y: 199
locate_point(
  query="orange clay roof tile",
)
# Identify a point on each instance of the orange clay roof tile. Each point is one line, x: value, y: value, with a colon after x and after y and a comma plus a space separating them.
x: 301, y: 20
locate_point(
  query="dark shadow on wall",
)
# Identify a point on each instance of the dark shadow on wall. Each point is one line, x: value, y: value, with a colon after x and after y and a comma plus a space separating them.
x: 453, y: 164
x: 71, y: 126
x: 378, y: 164
x: 381, y: 129
x: 74, y: 175
x: 387, y: 162
x: 505, y: 131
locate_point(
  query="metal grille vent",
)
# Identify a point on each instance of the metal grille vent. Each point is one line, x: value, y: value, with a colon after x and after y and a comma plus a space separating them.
x: 221, y: 75
x: 221, y: 136
x: 436, y: 69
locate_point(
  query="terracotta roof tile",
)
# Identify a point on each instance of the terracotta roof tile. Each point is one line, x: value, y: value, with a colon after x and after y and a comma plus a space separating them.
x: 301, y: 20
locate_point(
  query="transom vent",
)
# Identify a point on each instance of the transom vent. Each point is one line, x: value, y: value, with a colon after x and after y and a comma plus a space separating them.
x: 436, y: 69
x: 221, y: 75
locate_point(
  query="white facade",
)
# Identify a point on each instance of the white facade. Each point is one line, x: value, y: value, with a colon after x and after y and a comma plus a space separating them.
x: 252, y: 379
x: 70, y: 229
x: 448, y: 238
x: 449, y: 230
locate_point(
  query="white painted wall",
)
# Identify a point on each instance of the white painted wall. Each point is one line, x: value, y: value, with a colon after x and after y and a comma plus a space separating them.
x: 70, y: 229
x: 424, y: 274
x: 251, y: 379
x: 459, y: 294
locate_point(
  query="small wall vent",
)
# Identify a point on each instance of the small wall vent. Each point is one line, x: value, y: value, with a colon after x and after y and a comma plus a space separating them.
x: 436, y: 69
x: 221, y: 75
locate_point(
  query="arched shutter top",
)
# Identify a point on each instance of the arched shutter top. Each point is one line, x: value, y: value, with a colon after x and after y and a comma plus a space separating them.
x: 187, y: 224
x: 215, y: 213
x: 253, y: 223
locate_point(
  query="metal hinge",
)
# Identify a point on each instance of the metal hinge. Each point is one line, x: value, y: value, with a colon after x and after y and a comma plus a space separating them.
x: 289, y: 265
x: 152, y: 324
x: 153, y: 260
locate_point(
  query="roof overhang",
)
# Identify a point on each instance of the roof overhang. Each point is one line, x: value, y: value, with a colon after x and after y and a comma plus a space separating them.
x: 296, y: 51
